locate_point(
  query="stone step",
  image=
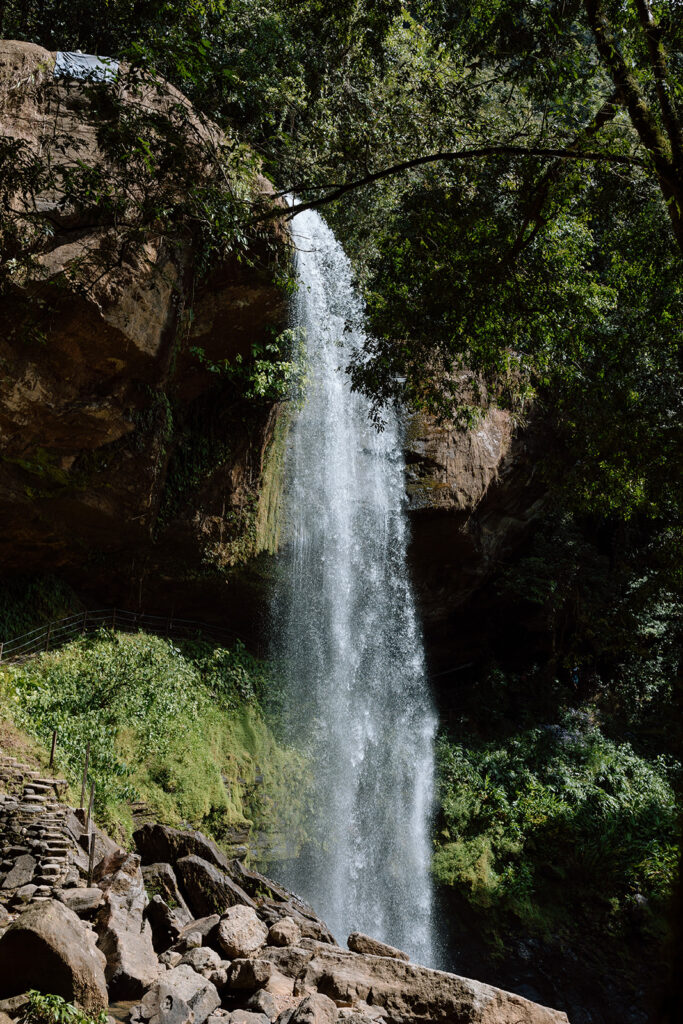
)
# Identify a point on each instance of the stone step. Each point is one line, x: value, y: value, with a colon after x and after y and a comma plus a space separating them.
x: 48, y: 876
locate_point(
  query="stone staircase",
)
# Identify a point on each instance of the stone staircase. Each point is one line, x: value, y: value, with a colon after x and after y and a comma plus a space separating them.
x: 35, y: 838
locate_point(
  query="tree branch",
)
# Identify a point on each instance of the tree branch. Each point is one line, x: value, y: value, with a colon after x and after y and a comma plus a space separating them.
x: 533, y: 215
x: 343, y: 188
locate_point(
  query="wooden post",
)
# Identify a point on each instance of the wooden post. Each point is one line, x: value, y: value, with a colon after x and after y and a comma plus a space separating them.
x: 85, y: 620
x: 90, y: 807
x: 2, y: 644
x: 54, y: 747
x: 85, y: 773
x: 47, y: 638
x: 91, y: 858
x: 113, y: 621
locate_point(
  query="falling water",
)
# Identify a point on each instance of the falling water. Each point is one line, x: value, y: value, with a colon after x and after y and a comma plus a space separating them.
x: 348, y: 635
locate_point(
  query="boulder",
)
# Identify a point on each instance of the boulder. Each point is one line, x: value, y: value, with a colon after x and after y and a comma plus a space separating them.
x: 160, y: 843
x: 203, y: 926
x: 4, y: 1018
x: 26, y: 892
x: 197, y: 992
x: 160, y: 880
x: 247, y: 1017
x: 360, y: 943
x: 413, y: 995
x: 312, y: 927
x: 4, y: 916
x: 270, y: 1003
x: 166, y: 926
x: 203, y: 960
x: 171, y: 957
x: 207, y: 889
x: 21, y: 873
x: 49, y: 948
x: 125, y: 936
x: 315, y: 1009
x: 82, y: 901
x: 162, y: 1005
x: 285, y: 932
x: 249, y: 974
x: 240, y: 932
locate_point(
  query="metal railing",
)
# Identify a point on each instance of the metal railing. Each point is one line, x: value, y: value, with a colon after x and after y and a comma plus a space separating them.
x: 54, y: 634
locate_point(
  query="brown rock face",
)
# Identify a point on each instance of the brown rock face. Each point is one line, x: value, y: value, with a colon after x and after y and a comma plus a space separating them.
x: 50, y: 949
x: 124, y: 463
x: 473, y: 498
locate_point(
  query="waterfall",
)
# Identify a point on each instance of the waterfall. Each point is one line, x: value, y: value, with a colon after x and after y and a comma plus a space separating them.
x: 347, y: 635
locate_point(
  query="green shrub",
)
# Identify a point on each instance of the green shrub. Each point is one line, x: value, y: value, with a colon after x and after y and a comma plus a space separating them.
x: 553, y: 816
x: 50, y: 1009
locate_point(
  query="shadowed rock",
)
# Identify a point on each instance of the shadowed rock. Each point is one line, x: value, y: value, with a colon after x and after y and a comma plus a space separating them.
x: 49, y: 948
x: 207, y: 889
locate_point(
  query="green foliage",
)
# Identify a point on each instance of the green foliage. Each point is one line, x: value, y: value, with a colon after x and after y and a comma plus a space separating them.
x: 274, y: 372
x: 51, y: 1009
x: 177, y: 726
x: 555, y: 823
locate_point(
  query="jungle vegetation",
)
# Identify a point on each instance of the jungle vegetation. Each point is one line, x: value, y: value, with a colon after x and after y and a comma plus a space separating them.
x: 507, y: 177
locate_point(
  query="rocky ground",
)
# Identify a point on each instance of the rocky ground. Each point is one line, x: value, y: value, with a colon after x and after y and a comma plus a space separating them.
x: 176, y: 933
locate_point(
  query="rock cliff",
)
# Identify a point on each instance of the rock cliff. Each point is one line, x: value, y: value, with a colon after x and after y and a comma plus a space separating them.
x: 125, y: 463
x: 473, y: 497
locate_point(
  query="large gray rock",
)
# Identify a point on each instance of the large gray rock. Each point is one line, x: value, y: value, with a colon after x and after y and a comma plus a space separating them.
x: 50, y: 949
x: 199, y: 994
x: 240, y: 932
x: 82, y: 901
x: 270, y: 1003
x: 360, y: 943
x: 413, y: 995
x: 207, y: 889
x: 125, y: 937
x: 247, y: 1017
x: 162, y: 1005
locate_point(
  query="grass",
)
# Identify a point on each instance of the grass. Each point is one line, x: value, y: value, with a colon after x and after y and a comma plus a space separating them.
x: 182, y: 728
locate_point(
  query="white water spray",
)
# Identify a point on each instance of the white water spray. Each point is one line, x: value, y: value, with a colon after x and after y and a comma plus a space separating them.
x: 347, y: 633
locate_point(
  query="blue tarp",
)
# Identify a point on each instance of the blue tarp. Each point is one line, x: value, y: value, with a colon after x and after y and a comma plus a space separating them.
x: 85, y: 66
